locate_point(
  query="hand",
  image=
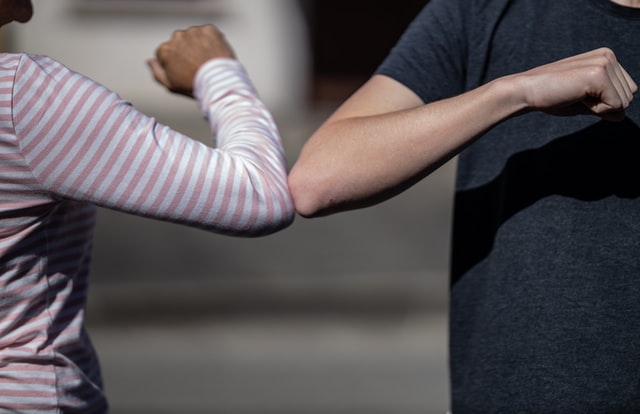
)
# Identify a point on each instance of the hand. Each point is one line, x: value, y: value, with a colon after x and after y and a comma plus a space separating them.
x: 592, y: 83
x: 178, y: 59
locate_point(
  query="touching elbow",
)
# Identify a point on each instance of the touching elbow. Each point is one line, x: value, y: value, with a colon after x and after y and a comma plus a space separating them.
x: 263, y: 224
x: 278, y: 219
x: 284, y: 219
x: 270, y: 211
x: 273, y: 209
x: 306, y: 196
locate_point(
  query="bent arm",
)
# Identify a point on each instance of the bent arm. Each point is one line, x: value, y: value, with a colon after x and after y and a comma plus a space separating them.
x: 82, y: 142
x: 384, y: 138
x: 248, y: 141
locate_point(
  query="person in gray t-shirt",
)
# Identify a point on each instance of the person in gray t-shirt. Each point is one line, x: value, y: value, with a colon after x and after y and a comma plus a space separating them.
x: 536, y: 97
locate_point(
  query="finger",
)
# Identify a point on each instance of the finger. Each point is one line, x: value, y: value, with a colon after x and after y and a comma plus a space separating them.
x: 608, y: 79
x: 633, y: 87
x: 162, y: 52
x: 623, y: 77
x: 158, y: 72
x: 620, y: 79
x: 177, y: 35
x: 607, y: 90
x: 622, y: 85
x: 597, y: 107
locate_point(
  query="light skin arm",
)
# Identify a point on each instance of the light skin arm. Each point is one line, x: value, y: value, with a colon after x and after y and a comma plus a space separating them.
x: 384, y: 138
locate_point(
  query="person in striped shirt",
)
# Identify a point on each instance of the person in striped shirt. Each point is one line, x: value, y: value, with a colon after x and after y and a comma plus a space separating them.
x: 67, y: 145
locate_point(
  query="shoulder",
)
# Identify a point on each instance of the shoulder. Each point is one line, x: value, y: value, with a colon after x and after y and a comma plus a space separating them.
x: 41, y: 64
x: 22, y: 72
x: 453, y: 23
x: 465, y: 7
x: 45, y: 76
x: 9, y: 61
x: 43, y: 85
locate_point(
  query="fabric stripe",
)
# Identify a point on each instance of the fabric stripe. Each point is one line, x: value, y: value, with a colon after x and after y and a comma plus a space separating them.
x: 67, y: 145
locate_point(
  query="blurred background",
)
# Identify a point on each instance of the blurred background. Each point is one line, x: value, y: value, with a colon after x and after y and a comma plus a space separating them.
x: 344, y: 314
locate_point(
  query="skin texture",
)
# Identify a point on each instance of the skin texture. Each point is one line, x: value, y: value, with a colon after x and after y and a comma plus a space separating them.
x: 384, y: 138
x: 178, y: 59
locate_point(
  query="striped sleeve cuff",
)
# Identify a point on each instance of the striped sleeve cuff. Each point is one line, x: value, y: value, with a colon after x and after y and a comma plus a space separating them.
x: 216, y: 78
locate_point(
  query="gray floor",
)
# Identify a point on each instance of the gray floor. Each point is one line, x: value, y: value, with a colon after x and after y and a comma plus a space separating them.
x: 301, y: 366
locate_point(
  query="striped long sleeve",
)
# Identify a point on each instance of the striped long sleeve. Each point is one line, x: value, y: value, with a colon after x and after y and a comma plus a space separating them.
x: 67, y: 145
x: 84, y: 143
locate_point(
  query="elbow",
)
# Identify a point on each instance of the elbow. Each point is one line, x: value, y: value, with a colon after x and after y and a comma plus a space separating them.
x: 308, y: 197
x: 261, y: 226
x: 282, y: 218
x: 271, y: 213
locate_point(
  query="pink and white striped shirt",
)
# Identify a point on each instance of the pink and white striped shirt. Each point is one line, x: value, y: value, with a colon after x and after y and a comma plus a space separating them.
x: 67, y: 145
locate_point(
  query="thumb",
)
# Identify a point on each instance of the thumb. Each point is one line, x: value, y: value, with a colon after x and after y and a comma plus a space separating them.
x: 158, y: 72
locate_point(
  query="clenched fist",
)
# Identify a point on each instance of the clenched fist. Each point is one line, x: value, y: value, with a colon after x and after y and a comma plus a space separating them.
x: 593, y: 83
x: 178, y: 59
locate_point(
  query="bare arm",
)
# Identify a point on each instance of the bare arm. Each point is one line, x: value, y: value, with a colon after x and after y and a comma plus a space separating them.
x: 384, y: 138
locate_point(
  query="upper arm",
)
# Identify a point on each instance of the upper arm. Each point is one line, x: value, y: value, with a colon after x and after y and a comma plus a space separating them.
x: 327, y: 172
x: 379, y: 95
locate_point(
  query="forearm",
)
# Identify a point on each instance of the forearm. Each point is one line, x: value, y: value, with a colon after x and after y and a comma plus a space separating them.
x: 248, y: 141
x: 250, y: 181
x: 355, y: 160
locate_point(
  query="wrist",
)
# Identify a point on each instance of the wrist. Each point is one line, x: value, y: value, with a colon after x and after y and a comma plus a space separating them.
x: 511, y: 94
x: 216, y: 78
x: 207, y: 75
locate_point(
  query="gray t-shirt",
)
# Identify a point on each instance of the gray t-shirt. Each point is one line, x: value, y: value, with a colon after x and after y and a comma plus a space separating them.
x: 545, y: 278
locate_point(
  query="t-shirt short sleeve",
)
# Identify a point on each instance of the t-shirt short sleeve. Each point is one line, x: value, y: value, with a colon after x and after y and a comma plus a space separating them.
x: 430, y: 57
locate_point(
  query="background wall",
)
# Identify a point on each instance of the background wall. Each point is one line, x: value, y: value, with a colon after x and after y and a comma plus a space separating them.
x: 110, y: 40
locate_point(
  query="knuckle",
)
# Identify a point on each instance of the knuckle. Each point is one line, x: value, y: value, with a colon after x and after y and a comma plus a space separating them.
x: 607, y: 56
x: 162, y: 51
x: 212, y: 31
x: 607, y: 52
x: 177, y: 34
x: 210, y: 28
x: 598, y: 72
x: 603, y: 61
